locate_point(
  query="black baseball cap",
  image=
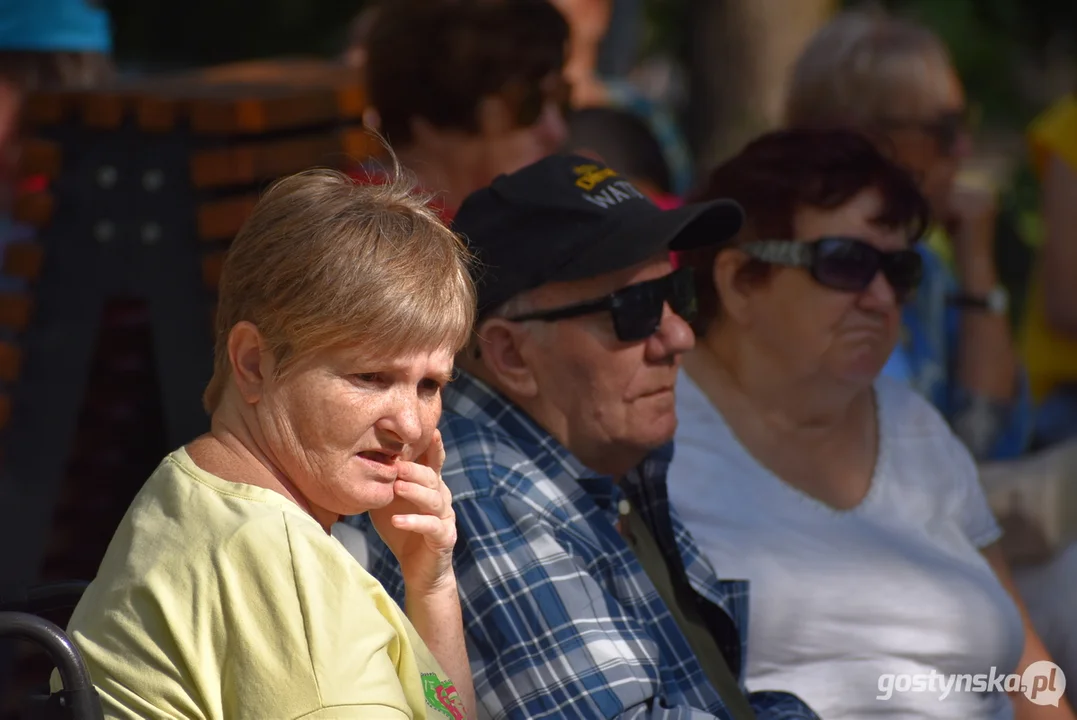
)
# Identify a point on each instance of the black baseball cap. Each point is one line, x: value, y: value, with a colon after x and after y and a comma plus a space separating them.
x: 568, y: 217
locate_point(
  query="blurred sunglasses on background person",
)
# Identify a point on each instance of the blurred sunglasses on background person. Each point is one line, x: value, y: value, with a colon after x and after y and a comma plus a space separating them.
x: 946, y: 128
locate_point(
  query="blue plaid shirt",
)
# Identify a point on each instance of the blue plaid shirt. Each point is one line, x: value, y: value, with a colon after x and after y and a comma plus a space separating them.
x: 561, y: 620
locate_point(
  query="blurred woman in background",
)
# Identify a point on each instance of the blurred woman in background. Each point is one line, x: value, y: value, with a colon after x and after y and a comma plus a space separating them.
x: 465, y: 91
x: 893, y: 80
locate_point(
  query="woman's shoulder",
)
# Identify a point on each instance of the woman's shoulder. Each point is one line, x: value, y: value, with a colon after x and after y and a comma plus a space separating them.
x: 916, y: 437
x: 188, y: 529
x: 905, y: 412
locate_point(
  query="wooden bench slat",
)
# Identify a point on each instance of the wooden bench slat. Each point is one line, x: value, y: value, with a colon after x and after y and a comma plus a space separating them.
x: 343, y: 81
x: 10, y: 361
x: 157, y: 114
x: 294, y: 72
x: 351, y: 102
x: 39, y: 157
x: 15, y: 309
x: 272, y: 94
x: 249, y: 164
x: 360, y: 143
x: 34, y: 209
x: 253, y: 115
x: 5, y: 410
x: 24, y: 260
x: 44, y: 108
x: 222, y: 219
x: 104, y: 110
x: 212, y: 265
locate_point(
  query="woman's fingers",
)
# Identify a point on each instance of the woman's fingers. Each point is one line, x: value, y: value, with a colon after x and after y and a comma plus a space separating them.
x: 438, y: 532
x: 428, y: 501
x: 434, y: 457
x: 420, y: 485
x: 419, y: 474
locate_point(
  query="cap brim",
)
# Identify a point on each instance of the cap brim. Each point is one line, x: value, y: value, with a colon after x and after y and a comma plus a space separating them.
x: 695, y: 226
x: 684, y: 228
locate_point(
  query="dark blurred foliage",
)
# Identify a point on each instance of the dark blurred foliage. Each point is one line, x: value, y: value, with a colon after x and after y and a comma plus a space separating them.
x: 999, y: 46
x: 166, y: 34
x: 992, y: 41
x: 1034, y: 24
x: 664, y: 27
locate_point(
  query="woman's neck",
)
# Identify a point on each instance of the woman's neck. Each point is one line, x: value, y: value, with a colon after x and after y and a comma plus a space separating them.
x: 234, y: 450
x: 817, y: 436
x: 788, y: 403
x: 452, y: 175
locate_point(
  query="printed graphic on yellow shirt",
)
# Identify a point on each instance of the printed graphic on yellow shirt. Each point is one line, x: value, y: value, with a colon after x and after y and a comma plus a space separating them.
x: 441, y: 695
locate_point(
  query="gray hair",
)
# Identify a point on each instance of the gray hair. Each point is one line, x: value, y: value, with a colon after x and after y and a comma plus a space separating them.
x: 863, y: 66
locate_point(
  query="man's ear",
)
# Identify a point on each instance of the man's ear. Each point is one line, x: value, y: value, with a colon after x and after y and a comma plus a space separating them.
x: 251, y: 364
x: 503, y: 355
x: 733, y: 289
x: 493, y: 116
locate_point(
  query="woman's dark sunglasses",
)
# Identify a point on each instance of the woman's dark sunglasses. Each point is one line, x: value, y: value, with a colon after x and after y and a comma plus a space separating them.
x: 843, y: 263
x: 636, y: 309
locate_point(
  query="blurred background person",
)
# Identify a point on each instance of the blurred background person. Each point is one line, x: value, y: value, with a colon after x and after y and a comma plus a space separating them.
x: 355, y: 49
x: 622, y: 141
x: 588, y: 22
x: 1050, y: 324
x: 893, y: 79
x: 467, y: 91
x: 801, y: 470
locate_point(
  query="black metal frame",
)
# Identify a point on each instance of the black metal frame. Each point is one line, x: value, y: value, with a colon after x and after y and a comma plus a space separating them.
x: 78, y: 700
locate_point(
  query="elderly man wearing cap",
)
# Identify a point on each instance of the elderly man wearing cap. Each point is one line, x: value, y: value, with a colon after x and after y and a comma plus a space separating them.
x: 583, y: 595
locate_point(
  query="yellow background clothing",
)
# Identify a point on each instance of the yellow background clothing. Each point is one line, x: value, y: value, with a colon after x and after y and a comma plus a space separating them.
x: 223, y: 600
x: 1051, y: 358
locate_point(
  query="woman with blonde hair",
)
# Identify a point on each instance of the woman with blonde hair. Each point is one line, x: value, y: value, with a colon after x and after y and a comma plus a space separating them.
x: 223, y: 593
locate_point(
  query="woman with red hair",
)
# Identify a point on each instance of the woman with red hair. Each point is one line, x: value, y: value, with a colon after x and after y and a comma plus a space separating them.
x: 826, y: 486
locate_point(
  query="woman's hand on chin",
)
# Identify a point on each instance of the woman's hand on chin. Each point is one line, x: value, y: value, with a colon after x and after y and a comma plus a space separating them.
x: 419, y: 525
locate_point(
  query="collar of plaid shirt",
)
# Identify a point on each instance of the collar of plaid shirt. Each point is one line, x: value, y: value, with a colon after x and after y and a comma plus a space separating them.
x: 528, y: 592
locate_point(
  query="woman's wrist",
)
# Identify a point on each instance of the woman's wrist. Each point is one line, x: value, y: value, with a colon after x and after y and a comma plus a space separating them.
x: 427, y: 591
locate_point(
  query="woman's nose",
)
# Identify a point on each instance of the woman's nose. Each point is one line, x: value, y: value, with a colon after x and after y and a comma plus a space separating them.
x: 404, y: 420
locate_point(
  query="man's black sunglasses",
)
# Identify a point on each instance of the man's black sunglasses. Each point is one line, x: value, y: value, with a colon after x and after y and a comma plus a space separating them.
x: 843, y: 263
x: 636, y: 309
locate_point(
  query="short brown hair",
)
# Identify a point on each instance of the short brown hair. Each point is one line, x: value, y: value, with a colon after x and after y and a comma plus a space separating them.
x: 324, y: 261
x: 786, y: 170
x: 436, y: 60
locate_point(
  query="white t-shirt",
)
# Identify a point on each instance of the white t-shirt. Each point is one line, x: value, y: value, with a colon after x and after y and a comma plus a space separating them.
x: 838, y: 598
